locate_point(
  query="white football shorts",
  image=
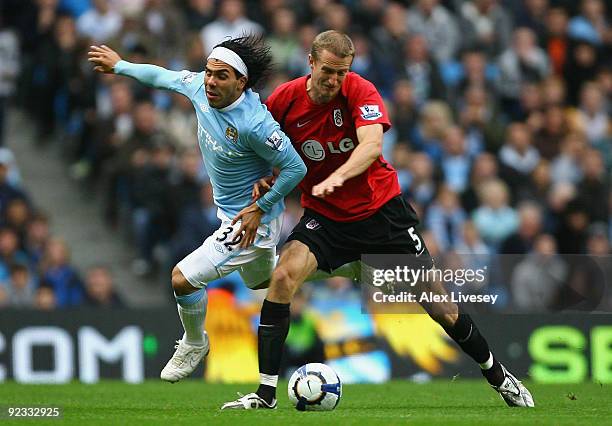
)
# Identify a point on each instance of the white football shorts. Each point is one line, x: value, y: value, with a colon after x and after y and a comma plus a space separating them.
x: 217, y: 257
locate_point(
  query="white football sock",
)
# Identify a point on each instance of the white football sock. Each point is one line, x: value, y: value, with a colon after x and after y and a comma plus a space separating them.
x: 192, y: 310
x: 268, y: 379
x: 488, y: 364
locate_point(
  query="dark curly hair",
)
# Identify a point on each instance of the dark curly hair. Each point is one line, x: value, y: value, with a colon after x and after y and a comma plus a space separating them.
x: 255, y: 54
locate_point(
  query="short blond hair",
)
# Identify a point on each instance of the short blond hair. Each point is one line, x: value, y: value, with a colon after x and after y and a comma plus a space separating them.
x: 334, y: 42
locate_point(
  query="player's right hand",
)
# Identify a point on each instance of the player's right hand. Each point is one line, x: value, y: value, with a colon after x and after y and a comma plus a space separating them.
x: 104, y: 58
x: 262, y: 186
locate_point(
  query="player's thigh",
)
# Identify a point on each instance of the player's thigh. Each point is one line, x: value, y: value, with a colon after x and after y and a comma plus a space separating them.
x: 255, y: 266
x: 200, y: 266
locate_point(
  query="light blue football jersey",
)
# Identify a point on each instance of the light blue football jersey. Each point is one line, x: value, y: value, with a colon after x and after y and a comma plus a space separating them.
x: 239, y: 143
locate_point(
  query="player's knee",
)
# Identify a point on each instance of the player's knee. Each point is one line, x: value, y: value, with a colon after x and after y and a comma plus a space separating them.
x: 180, y: 285
x: 282, y: 285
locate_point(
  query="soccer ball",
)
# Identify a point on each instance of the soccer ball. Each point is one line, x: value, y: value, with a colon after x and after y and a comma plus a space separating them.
x: 315, y: 387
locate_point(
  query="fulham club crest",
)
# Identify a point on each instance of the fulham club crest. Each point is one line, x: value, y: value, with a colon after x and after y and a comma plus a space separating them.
x: 312, y: 224
x: 338, y: 118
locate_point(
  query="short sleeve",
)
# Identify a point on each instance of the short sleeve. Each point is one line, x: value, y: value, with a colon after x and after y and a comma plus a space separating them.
x: 365, y: 103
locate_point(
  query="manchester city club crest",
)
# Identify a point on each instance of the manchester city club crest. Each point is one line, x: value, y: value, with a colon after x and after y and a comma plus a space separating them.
x: 231, y: 134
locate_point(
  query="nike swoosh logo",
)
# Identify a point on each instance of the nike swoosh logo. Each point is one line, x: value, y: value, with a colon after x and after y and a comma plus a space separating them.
x: 303, y: 124
x: 194, y: 361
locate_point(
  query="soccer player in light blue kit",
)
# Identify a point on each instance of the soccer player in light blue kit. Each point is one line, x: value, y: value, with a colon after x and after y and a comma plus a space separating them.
x: 240, y: 143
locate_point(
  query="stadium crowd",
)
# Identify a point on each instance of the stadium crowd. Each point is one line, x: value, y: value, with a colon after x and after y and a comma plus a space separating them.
x: 501, y: 132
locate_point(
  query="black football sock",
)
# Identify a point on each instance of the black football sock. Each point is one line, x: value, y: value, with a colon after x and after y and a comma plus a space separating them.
x: 271, y: 335
x: 468, y: 337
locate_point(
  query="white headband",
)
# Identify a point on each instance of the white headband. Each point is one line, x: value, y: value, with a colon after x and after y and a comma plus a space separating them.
x: 229, y: 57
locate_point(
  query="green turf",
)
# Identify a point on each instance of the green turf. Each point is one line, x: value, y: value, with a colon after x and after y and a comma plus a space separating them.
x: 194, y: 402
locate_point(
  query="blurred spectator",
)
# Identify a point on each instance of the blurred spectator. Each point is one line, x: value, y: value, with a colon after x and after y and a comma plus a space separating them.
x: 199, y: 13
x: 163, y: 25
x: 283, y: 40
x: 7, y: 158
x: 45, y: 299
x: 130, y: 155
x: 533, y: 16
x: 540, y: 182
x: 483, y: 169
x: 180, y: 123
x: 434, y: 21
x: 479, y: 117
x: 428, y: 134
x: 390, y: 37
x: 473, y: 251
x: 553, y: 92
x: 187, y: 181
x: 404, y: 112
x: 16, y: 216
x: 456, y: 160
x: 523, y: 62
x: 421, y: 186
x: 557, y: 41
x: 367, y: 14
x: 581, y: 66
x: 591, y: 116
x: 231, y: 22
x: 537, y: 280
x: 474, y: 63
x: 485, y: 24
x: 445, y: 219
x: 335, y: 16
x: 100, y: 288
x: 530, y: 104
x: 421, y: 70
x: 591, y: 25
x: 554, y: 128
x: 594, y: 187
x: 37, y: 236
x: 376, y: 70
x: 21, y: 287
x: 195, y: 224
x: 10, y: 252
x: 530, y: 226
x: 565, y: 166
x: 60, y: 276
x: 518, y: 158
x: 151, y: 204
x: 108, y: 133
x: 9, y: 69
x: 298, y: 63
x: 494, y: 218
x: 101, y: 23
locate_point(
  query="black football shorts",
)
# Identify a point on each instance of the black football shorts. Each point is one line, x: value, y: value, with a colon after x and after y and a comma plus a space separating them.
x: 391, y: 230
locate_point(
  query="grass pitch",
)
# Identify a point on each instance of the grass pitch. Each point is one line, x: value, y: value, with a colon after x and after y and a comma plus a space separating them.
x: 195, y: 402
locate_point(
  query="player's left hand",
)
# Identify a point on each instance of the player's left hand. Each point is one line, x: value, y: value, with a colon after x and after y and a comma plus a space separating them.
x: 327, y: 186
x: 104, y: 58
x: 251, y: 218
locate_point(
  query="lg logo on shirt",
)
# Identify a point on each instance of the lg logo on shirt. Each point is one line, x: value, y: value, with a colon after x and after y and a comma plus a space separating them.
x: 314, y: 150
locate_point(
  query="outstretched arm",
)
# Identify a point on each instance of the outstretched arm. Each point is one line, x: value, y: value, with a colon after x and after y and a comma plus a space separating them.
x: 107, y: 61
x: 370, y: 139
